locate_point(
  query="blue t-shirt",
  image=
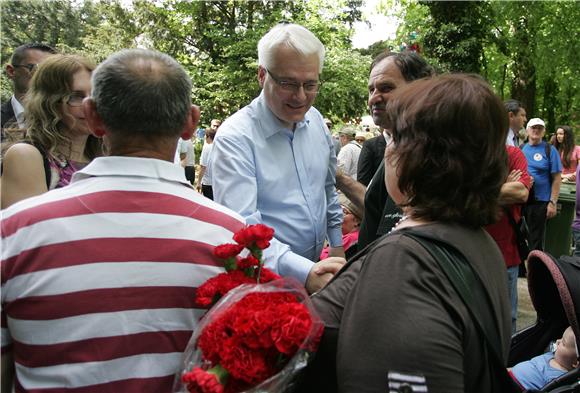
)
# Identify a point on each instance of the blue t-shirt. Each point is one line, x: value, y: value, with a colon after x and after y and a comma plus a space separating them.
x: 536, y: 373
x: 539, y: 167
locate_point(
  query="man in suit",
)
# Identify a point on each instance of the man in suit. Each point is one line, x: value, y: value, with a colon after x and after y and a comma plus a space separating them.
x: 20, y: 69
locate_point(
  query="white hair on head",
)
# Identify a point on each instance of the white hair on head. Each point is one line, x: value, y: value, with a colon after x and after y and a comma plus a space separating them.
x: 292, y: 36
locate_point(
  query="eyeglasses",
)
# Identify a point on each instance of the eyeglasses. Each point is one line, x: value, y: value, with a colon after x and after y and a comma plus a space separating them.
x: 310, y: 87
x: 75, y: 99
x: 30, y: 67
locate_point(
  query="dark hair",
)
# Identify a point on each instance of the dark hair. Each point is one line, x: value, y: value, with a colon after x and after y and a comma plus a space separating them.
x: 411, y: 65
x: 20, y: 52
x: 565, y: 148
x: 512, y: 106
x: 449, y: 142
x: 142, y: 92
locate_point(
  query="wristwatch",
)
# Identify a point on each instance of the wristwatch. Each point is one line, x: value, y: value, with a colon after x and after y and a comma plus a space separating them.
x: 552, y: 202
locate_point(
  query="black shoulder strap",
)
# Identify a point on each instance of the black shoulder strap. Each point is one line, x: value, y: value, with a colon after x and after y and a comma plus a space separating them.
x: 45, y: 163
x: 47, y: 171
x: 549, y: 157
x: 469, y: 287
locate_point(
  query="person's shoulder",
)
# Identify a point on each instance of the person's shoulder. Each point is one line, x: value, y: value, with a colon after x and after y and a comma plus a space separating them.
x: 374, y: 140
x: 22, y: 152
x: 315, y: 113
x: 238, y: 124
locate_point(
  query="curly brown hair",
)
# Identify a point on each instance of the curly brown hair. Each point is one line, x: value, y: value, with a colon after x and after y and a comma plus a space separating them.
x: 449, y: 147
x: 49, y: 87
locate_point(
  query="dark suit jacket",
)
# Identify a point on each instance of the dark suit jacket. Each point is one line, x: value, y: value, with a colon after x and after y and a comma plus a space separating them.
x: 6, y: 116
x: 371, y: 155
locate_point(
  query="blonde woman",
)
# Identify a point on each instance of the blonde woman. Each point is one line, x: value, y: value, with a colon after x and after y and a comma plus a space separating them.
x: 58, y: 141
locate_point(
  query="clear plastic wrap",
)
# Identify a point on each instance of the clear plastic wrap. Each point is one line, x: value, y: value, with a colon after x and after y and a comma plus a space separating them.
x: 294, y: 329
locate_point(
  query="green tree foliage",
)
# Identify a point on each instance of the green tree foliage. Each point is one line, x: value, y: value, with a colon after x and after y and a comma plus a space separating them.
x: 534, y: 57
x: 525, y: 49
x: 92, y: 29
x: 216, y: 41
x: 457, y: 33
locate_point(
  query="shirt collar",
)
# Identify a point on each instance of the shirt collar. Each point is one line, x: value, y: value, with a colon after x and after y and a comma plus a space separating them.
x: 270, y: 123
x: 18, y: 111
x: 132, y: 166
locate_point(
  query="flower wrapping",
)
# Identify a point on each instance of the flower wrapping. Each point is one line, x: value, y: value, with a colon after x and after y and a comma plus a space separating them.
x: 261, y: 329
x: 255, y: 339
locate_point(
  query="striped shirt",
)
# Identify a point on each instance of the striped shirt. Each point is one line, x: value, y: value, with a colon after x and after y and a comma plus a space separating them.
x: 98, y: 278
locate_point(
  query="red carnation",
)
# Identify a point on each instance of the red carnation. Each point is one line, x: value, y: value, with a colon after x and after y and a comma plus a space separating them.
x: 229, y: 250
x: 200, y: 381
x: 248, y: 262
x: 258, y: 236
x: 214, y: 288
x: 291, y: 327
x: 249, y: 365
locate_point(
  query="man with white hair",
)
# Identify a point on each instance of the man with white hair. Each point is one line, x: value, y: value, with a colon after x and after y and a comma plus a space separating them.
x: 274, y: 161
x: 545, y: 167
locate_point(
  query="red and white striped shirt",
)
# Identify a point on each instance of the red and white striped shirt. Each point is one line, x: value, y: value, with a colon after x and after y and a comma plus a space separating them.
x: 99, y: 278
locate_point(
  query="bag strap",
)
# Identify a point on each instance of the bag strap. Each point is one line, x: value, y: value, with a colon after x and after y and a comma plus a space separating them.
x: 47, y: 171
x: 470, y: 289
x: 549, y: 157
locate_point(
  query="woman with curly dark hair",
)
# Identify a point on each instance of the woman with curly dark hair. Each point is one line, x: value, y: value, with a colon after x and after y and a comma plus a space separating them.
x: 569, y: 152
x: 394, y: 310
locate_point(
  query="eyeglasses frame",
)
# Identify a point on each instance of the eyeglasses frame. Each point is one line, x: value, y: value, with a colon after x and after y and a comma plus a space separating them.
x: 30, y: 66
x: 294, y: 85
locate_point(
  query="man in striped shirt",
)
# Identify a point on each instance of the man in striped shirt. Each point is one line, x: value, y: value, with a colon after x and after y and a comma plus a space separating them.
x: 99, y: 278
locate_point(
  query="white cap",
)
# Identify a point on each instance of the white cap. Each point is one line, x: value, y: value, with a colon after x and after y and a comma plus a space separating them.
x: 536, y: 122
x: 361, y: 134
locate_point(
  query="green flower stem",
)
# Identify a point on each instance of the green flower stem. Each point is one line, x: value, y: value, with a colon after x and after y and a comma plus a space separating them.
x: 221, y: 373
x: 257, y: 253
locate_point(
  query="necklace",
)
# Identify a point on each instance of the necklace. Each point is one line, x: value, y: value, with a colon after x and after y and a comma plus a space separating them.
x: 403, y: 218
x: 61, y: 162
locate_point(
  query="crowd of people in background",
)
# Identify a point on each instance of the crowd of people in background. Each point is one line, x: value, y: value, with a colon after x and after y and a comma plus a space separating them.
x: 98, y: 274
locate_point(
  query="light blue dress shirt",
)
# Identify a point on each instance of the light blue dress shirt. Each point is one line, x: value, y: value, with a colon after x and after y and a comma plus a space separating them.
x: 280, y: 178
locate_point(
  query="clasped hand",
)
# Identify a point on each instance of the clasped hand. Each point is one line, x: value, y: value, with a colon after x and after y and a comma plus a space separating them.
x: 322, y: 272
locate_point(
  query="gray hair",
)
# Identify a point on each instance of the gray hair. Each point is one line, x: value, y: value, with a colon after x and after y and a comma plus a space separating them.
x: 142, y: 92
x: 292, y: 36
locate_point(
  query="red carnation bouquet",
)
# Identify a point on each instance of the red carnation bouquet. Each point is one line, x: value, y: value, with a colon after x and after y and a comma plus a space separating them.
x: 261, y: 329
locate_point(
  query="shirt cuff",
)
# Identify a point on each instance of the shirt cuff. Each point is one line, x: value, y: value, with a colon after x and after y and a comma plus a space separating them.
x: 335, y: 237
x: 294, y: 265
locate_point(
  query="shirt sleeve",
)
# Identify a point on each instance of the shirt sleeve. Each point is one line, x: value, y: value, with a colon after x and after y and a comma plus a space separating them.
x: 5, y: 337
x: 182, y: 146
x: 234, y: 186
x: 203, y: 157
x: 334, y: 211
x: 518, y: 161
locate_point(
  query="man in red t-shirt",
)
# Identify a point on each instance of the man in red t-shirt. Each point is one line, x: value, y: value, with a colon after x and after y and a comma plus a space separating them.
x: 513, y: 193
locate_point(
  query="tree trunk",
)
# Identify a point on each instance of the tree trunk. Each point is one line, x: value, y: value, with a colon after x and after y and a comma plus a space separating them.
x: 550, y: 102
x: 524, y: 71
